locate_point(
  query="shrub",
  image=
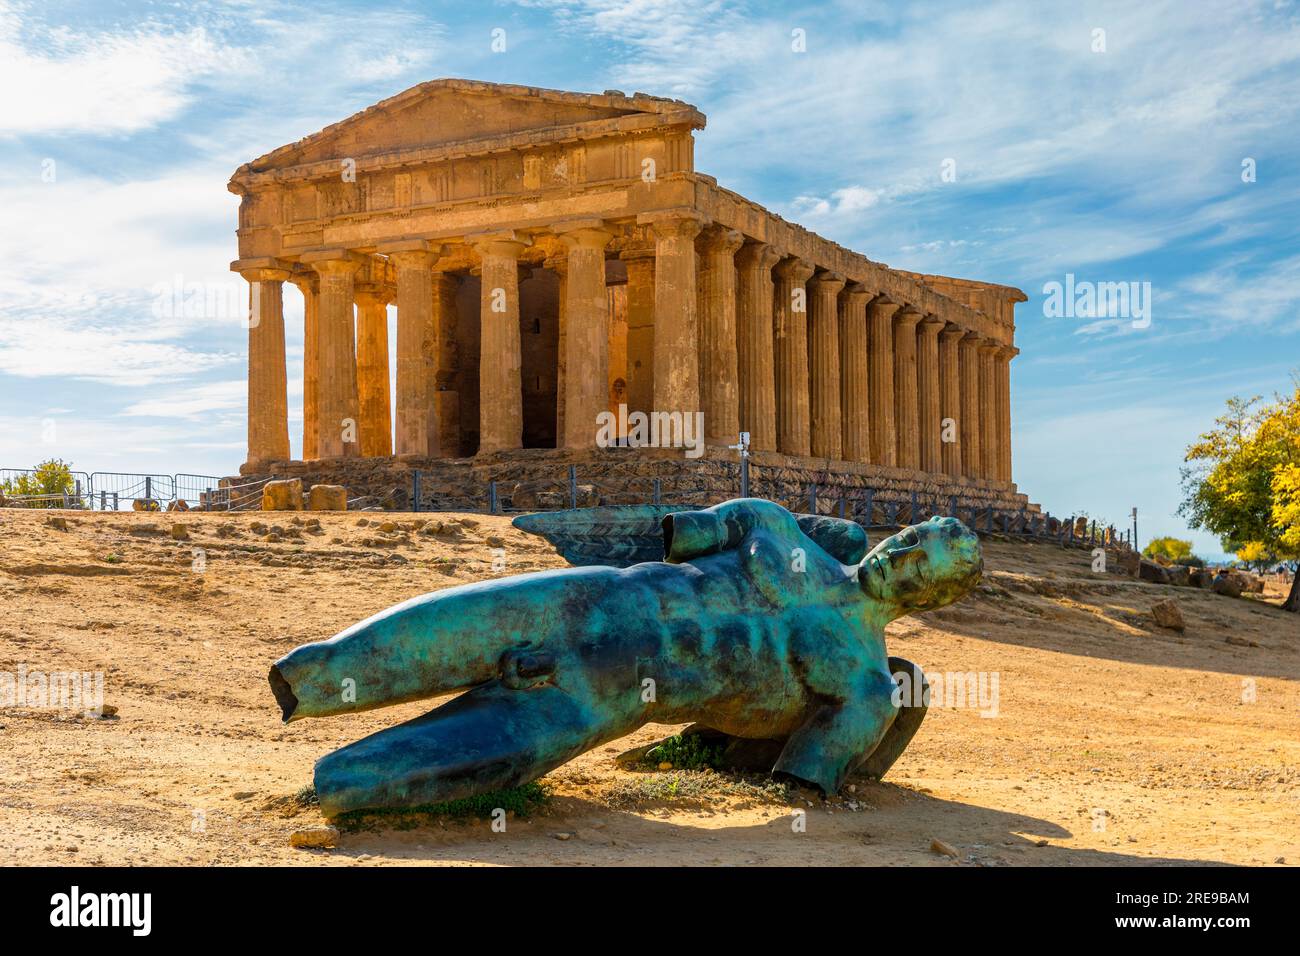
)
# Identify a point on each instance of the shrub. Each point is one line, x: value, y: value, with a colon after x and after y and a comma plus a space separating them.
x: 50, y: 477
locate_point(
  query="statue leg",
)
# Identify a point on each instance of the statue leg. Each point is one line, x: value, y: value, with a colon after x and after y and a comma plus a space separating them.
x: 489, y: 738
x: 758, y: 756
x: 916, y: 692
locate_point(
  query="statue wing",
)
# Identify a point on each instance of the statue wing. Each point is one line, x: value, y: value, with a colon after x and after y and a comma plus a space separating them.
x: 623, y: 535
x: 615, y: 535
x: 844, y: 540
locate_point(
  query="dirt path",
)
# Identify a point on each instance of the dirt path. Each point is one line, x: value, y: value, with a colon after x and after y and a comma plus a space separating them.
x: 1113, y: 742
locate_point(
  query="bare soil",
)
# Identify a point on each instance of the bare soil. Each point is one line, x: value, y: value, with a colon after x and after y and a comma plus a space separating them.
x: 1114, y: 741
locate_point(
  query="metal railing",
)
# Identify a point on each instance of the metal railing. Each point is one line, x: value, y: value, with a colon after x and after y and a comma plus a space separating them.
x: 113, y: 490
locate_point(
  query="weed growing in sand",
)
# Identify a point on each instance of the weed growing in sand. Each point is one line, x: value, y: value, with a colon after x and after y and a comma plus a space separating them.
x: 694, y: 786
x: 522, y: 801
x: 685, y: 753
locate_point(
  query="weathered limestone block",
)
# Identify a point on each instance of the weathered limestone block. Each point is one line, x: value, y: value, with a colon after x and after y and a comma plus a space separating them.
x: 1226, y: 584
x: 327, y: 498
x: 1167, y: 614
x: 315, y: 838
x: 1150, y: 571
x: 1121, y: 562
x: 1179, y: 575
x: 144, y: 504
x: 180, y: 504
x: 282, y: 495
x: 534, y: 498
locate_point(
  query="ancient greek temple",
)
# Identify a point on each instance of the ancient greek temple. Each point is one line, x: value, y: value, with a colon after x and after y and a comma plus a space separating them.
x: 551, y: 256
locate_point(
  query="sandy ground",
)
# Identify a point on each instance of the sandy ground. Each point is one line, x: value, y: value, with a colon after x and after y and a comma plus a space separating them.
x: 1113, y: 742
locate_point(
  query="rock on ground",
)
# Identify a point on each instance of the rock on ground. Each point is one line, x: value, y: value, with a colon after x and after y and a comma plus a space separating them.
x: 282, y: 495
x: 1167, y: 614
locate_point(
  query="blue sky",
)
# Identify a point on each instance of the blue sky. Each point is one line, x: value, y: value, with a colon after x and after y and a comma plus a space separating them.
x: 122, y: 123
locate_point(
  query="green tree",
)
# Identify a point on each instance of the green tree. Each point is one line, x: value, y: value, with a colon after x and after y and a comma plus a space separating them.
x: 1243, y: 481
x: 1172, y: 549
x: 50, y: 477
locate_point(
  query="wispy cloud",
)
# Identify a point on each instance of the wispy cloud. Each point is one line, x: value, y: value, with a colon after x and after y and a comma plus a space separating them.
x: 196, y: 403
x: 103, y: 82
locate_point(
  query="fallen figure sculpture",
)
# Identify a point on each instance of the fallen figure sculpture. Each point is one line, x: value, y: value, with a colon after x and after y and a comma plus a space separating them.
x: 758, y: 624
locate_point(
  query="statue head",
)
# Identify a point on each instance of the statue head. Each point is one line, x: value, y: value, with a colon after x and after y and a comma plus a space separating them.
x: 923, y: 567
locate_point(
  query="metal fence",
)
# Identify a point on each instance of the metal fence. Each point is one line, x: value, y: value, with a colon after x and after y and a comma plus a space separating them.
x: 115, y: 490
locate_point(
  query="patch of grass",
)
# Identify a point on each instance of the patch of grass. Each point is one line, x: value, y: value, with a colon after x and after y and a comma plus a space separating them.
x: 522, y: 801
x: 113, y: 558
x: 685, y: 753
x: 694, y: 787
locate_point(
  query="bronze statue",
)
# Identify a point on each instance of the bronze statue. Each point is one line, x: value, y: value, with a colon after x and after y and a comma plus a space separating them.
x: 753, y: 622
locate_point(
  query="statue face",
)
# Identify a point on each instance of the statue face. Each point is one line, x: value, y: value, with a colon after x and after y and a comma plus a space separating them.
x: 923, y: 567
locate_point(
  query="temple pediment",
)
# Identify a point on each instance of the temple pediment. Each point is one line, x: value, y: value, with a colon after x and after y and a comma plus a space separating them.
x: 468, y: 117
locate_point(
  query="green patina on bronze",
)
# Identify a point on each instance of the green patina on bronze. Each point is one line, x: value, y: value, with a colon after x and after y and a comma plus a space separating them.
x: 758, y: 624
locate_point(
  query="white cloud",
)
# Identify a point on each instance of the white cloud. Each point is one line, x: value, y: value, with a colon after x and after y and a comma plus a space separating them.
x: 60, y: 81
x: 198, y: 402
x: 33, y: 347
x: 100, y: 260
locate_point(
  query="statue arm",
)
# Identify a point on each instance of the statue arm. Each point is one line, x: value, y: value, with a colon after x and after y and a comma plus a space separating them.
x: 839, y: 735
x: 694, y: 534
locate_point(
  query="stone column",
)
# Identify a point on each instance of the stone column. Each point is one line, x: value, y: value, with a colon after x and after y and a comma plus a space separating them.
x: 927, y: 385
x: 880, y: 334
x: 309, y: 285
x: 968, y: 357
x: 586, y: 344
x: 416, y: 340
x: 268, y: 399
x: 716, y: 303
x: 906, y: 414
x: 441, y: 355
x: 1003, y: 382
x: 989, y: 412
x: 790, y: 335
x: 559, y: 264
x: 375, y: 425
x: 754, y: 356
x: 337, y: 431
x: 824, y: 364
x: 676, y: 359
x: 501, y: 411
x: 950, y: 399
x: 640, y: 261
x: 854, y: 388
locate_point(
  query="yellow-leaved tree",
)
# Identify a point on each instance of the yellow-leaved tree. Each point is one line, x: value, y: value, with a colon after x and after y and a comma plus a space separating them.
x: 1243, y: 482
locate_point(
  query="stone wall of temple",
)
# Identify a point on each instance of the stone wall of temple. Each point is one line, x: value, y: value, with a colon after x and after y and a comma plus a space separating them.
x: 539, y: 478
